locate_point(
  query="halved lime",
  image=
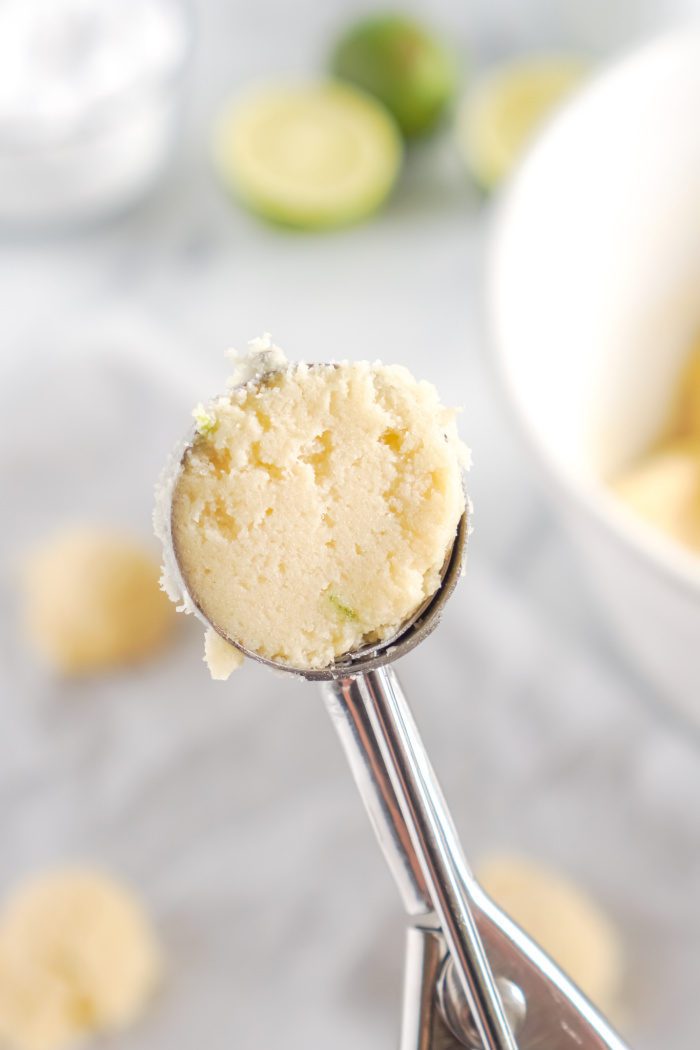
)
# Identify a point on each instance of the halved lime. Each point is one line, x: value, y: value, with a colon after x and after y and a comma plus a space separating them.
x: 308, y: 155
x: 500, y: 115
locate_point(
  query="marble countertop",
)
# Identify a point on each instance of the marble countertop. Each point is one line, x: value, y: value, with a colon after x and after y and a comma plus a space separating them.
x: 230, y: 806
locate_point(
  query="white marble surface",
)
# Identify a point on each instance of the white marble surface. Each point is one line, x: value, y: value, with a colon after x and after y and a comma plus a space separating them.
x: 230, y: 806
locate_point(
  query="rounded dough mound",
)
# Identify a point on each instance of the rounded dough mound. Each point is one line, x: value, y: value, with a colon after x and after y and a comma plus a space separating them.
x: 563, y: 920
x: 93, y: 601
x: 316, y: 511
x: 77, y: 955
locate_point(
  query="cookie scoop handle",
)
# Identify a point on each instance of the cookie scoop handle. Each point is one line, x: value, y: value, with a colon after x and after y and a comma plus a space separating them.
x: 416, y: 832
x: 474, y: 978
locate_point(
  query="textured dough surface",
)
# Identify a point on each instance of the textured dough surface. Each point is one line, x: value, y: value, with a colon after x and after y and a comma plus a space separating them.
x: 316, y: 511
x: 93, y: 602
x: 563, y: 920
x: 77, y: 955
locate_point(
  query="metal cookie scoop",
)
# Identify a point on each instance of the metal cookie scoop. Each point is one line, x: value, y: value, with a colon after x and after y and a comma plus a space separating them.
x: 472, y: 977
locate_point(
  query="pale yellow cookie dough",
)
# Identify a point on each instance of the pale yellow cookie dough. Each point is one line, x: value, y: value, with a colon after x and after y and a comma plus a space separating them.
x: 563, y: 920
x: 77, y: 956
x: 92, y: 601
x: 220, y: 656
x: 664, y: 489
x: 316, y: 506
x: 663, y: 486
x: 685, y: 419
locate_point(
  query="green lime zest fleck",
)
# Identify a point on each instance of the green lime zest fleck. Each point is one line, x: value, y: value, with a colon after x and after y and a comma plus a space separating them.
x: 344, y: 610
x: 204, y: 421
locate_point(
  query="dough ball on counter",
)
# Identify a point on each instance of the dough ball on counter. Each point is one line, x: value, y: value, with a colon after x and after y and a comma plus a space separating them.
x: 78, y: 955
x: 93, y: 601
x: 563, y: 920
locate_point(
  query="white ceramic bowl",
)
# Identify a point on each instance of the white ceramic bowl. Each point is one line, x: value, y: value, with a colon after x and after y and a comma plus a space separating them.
x: 594, y: 299
x: 90, y: 110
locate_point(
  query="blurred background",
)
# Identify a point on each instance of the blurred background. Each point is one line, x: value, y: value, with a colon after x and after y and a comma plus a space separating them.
x: 135, y: 247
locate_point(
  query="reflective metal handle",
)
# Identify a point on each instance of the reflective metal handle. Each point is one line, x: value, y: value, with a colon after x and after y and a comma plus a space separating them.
x: 346, y: 702
x: 419, y: 841
x: 412, y: 809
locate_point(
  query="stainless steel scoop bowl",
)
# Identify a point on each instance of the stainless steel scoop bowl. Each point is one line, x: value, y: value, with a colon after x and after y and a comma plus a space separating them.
x: 472, y: 977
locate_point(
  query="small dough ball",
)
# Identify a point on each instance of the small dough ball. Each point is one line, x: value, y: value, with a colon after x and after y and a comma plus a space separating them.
x: 93, y: 601
x: 563, y: 920
x: 220, y: 656
x: 77, y: 955
x: 664, y: 489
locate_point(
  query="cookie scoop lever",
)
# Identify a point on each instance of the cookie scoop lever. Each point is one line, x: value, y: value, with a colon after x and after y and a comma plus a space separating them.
x: 316, y: 521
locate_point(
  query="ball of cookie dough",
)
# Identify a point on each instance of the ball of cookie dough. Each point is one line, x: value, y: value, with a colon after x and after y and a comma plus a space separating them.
x: 314, y: 509
x: 563, y: 920
x: 77, y: 955
x: 93, y: 601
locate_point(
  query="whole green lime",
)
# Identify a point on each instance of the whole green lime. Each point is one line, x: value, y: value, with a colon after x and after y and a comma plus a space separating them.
x: 403, y: 65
